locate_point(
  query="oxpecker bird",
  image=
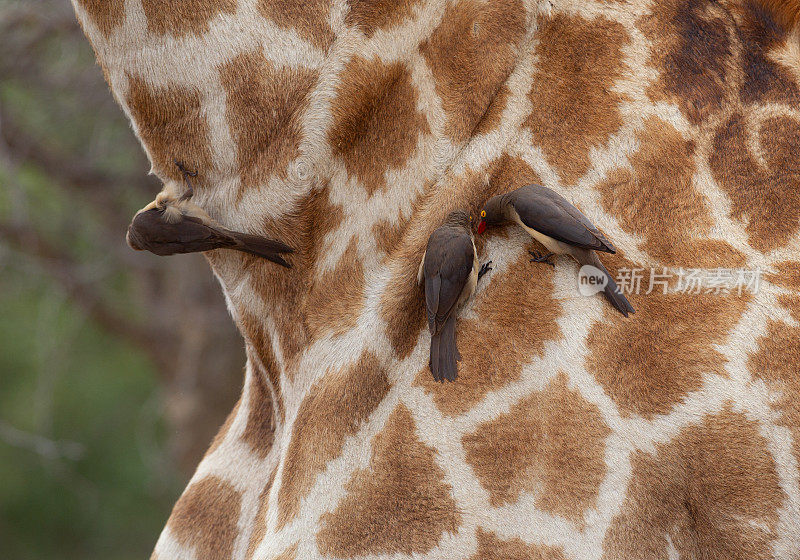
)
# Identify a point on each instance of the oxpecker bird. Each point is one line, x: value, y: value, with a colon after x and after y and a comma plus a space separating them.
x: 171, y: 225
x: 450, y: 271
x: 555, y: 223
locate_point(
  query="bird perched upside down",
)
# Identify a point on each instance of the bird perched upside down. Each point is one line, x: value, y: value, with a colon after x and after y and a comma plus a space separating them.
x: 170, y: 225
x: 450, y: 271
x: 555, y: 223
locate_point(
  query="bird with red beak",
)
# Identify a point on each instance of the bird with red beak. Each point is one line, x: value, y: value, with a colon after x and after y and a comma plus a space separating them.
x: 555, y: 223
x: 450, y: 273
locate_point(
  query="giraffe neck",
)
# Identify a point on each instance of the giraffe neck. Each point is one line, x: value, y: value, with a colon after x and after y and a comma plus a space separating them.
x: 350, y: 130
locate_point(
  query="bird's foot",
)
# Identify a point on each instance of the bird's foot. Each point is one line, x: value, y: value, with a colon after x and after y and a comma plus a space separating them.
x: 162, y: 200
x: 486, y: 267
x: 542, y: 258
x: 185, y: 171
x: 189, y: 192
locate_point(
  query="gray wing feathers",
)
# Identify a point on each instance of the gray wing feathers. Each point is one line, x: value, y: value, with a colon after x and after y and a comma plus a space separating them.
x: 444, y: 353
x: 448, y: 264
x: 447, y: 267
x: 546, y: 211
x: 432, y: 287
x: 611, y: 291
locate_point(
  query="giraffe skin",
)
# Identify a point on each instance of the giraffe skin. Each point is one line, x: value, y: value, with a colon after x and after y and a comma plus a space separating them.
x: 350, y: 130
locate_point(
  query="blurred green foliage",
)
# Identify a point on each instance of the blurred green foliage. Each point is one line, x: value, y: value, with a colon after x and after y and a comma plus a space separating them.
x: 91, y: 456
x: 100, y: 489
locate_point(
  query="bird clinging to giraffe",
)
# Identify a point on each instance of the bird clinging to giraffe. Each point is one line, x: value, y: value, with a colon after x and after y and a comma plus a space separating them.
x: 171, y: 225
x: 449, y: 272
x: 550, y: 219
x: 350, y: 130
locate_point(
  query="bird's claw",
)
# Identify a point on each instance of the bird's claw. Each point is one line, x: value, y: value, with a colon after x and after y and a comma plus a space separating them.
x: 486, y: 267
x: 542, y: 258
x: 183, y: 169
x: 189, y: 192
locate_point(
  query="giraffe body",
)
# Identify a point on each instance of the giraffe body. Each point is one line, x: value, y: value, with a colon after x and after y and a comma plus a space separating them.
x: 349, y: 130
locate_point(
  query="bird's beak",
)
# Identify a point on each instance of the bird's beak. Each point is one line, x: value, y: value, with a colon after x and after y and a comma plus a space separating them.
x: 481, y: 226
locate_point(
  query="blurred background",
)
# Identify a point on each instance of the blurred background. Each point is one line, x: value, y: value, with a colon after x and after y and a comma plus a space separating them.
x: 116, y: 367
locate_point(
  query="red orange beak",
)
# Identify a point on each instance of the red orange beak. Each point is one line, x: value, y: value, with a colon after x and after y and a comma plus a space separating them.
x: 481, y: 227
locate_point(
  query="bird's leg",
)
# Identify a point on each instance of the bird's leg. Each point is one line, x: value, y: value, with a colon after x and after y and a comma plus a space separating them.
x: 541, y: 258
x: 484, y: 269
x: 189, y: 192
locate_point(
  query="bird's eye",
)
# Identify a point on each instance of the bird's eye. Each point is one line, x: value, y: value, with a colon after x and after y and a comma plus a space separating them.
x: 483, y: 213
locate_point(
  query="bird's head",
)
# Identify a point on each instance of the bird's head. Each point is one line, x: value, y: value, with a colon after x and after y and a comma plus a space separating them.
x: 461, y: 218
x: 482, y: 222
x: 492, y: 214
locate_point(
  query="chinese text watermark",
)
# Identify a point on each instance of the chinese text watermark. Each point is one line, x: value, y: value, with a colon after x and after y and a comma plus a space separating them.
x: 718, y: 281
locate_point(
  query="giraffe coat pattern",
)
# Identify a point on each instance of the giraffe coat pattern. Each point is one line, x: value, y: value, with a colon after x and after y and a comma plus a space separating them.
x: 349, y: 130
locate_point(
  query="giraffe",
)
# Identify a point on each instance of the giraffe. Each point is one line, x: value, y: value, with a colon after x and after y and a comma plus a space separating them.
x: 350, y: 129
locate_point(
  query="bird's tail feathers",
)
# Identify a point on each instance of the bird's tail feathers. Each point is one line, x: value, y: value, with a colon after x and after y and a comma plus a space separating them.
x: 444, y: 352
x: 269, y: 249
x: 433, y: 361
x: 611, y: 291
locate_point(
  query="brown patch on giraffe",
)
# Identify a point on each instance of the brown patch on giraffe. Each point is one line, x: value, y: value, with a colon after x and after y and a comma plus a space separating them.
x: 205, y: 518
x: 105, y: 14
x: 510, y: 173
x: 551, y: 444
x: 764, y: 79
x: 692, y: 52
x: 787, y: 275
x: 188, y: 17
x: 337, y: 406
x: 659, y: 202
x: 471, y: 54
x: 376, y: 123
x: 309, y: 18
x: 260, y: 521
x: 713, y: 491
x: 766, y: 197
x: 223, y: 431
x: 171, y: 125
x: 490, y: 547
x: 403, y: 307
x: 286, y: 290
x: 372, y: 15
x: 649, y: 365
x: 336, y: 300
x: 285, y: 296
x: 493, y: 116
x: 524, y: 292
x: 259, y: 342
x: 265, y: 107
x: 792, y: 304
x: 785, y: 12
x: 259, y: 432
x: 574, y: 108
x: 400, y: 505
x: 388, y: 234
x: 775, y: 362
